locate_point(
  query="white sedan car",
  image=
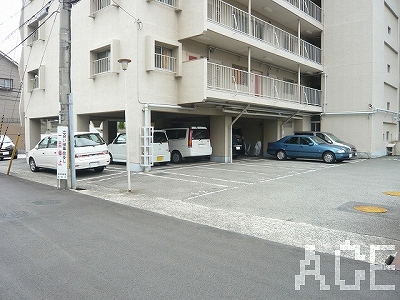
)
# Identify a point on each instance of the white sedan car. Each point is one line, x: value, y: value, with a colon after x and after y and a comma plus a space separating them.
x: 160, y: 147
x: 90, y: 153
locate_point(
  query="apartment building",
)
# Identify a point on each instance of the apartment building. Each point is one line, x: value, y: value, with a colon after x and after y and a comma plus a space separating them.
x: 10, y: 124
x: 269, y: 67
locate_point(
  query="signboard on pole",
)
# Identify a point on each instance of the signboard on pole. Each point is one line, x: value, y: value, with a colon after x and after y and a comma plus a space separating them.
x: 62, y: 143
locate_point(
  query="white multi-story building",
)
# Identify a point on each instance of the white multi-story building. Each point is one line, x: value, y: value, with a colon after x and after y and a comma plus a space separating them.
x: 269, y: 67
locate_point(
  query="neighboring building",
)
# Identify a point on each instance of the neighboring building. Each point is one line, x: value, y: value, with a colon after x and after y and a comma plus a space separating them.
x: 269, y: 67
x: 10, y: 92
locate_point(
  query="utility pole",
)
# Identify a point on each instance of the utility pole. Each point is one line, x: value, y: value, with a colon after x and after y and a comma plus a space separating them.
x: 65, y: 83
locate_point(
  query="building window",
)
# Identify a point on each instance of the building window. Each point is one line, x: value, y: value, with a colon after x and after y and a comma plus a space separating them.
x: 36, y: 79
x: 33, y: 32
x: 315, y: 123
x: 164, y: 58
x: 100, y: 4
x: 389, y: 30
x: 388, y: 68
x: 168, y: 2
x: 101, y: 62
x: 6, y: 84
x: 387, y: 105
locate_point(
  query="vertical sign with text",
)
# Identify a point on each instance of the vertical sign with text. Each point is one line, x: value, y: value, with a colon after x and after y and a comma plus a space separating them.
x: 62, y: 163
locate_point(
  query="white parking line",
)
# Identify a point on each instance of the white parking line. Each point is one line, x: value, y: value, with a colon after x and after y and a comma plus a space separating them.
x: 180, y: 179
x: 204, y: 177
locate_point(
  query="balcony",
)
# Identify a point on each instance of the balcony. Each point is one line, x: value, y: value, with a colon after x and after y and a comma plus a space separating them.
x: 240, y: 21
x: 204, y: 80
x: 308, y: 7
x: 242, y: 82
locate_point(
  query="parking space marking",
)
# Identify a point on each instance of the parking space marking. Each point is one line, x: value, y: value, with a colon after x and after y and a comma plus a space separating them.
x: 203, y: 177
x: 181, y: 179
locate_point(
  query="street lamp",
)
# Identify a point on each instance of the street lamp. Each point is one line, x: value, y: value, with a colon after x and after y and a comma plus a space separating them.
x: 124, y: 64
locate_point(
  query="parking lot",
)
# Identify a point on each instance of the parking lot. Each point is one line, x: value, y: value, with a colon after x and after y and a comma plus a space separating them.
x: 295, y: 202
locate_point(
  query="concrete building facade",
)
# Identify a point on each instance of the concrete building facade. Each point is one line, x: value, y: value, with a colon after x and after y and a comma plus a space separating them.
x: 269, y: 67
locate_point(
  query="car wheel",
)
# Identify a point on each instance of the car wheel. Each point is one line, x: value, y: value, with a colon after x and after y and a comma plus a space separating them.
x: 176, y: 157
x: 32, y: 165
x: 99, y: 169
x: 111, y: 158
x: 281, y: 155
x: 16, y: 154
x: 329, y: 157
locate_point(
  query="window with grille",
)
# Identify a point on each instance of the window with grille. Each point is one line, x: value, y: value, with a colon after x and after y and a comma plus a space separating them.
x: 101, y: 63
x: 33, y: 32
x: 100, y: 4
x: 164, y: 58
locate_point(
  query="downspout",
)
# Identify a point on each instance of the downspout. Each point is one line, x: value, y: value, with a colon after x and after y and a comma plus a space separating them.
x: 249, y: 69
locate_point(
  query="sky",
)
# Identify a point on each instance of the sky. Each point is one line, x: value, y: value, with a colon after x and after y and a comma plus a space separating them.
x: 9, y: 22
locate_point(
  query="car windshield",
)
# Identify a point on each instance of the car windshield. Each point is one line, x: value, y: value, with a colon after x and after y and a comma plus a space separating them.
x: 333, y: 137
x: 318, y: 140
x: 88, y: 139
x: 5, y: 139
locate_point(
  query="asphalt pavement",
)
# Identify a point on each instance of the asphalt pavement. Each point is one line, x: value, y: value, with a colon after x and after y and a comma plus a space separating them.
x: 63, y: 244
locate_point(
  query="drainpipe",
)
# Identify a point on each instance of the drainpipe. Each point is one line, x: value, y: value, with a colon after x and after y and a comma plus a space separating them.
x: 249, y: 69
x: 325, y: 83
x: 298, y: 83
x: 251, y: 33
x: 145, y: 139
x: 298, y: 36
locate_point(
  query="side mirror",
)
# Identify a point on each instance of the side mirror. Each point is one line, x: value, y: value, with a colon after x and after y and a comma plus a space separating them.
x: 310, y: 144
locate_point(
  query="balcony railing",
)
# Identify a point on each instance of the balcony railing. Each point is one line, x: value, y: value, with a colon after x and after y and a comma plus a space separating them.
x: 231, y: 17
x: 309, y: 7
x: 233, y: 80
x: 101, y: 65
x: 165, y: 62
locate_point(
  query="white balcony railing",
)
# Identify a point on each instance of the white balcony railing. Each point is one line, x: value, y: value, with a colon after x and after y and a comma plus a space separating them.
x: 308, y: 7
x: 231, y: 17
x: 224, y: 78
x: 101, y: 65
x: 100, y: 4
x: 165, y: 62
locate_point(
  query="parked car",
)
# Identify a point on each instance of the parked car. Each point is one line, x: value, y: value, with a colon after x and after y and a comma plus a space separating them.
x: 190, y: 142
x: 161, y: 154
x: 330, y: 139
x: 7, y: 147
x: 238, y: 146
x: 307, y: 146
x: 90, y: 152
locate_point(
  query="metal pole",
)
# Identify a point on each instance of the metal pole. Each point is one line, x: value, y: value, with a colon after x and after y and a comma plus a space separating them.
x: 64, y: 75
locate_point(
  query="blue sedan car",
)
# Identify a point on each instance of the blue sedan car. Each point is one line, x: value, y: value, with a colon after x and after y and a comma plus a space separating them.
x: 303, y: 146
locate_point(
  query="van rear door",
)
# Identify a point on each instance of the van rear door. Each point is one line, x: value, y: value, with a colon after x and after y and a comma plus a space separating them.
x: 200, y: 142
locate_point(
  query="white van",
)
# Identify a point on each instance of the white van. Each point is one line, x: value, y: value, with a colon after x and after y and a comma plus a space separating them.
x: 161, y: 153
x: 191, y: 142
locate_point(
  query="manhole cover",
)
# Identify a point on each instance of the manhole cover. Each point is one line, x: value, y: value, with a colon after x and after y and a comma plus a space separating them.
x: 392, y: 193
x: 46, y: 202
x: 13, y: 215
x: 370, y: 209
